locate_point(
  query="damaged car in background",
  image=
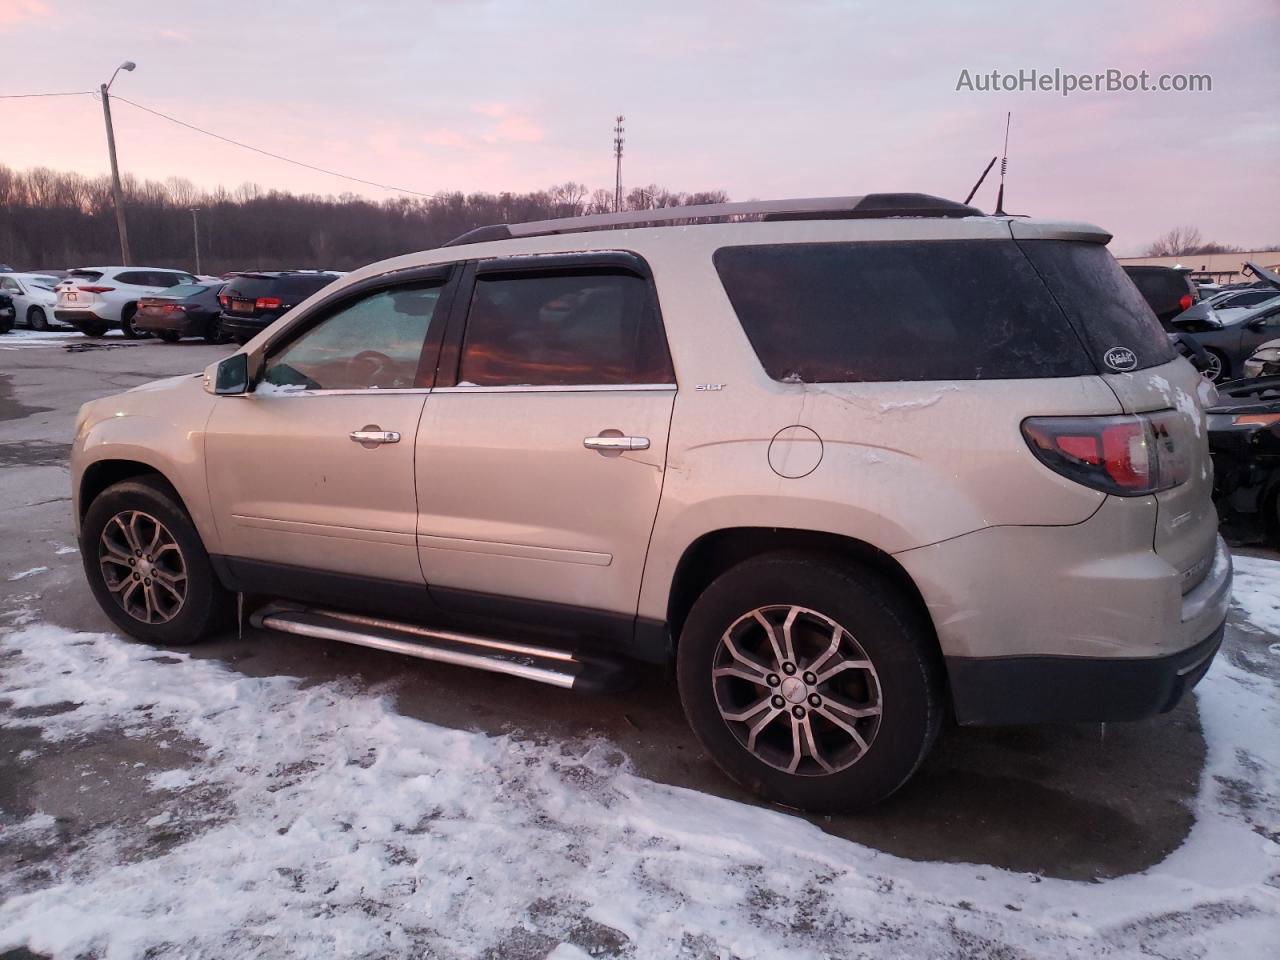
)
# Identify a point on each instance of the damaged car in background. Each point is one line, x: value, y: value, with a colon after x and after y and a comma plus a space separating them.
x: 1244, y: 441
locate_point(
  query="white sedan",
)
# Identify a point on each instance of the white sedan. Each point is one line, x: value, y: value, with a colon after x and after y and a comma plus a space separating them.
x: 33, y: 297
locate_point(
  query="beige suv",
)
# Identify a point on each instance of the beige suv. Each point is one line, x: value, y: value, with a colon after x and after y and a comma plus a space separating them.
x: 850, y: 464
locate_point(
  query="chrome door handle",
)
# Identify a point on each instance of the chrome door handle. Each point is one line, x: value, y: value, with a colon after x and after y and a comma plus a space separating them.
x: 372, y: 436
x: 616, y: 443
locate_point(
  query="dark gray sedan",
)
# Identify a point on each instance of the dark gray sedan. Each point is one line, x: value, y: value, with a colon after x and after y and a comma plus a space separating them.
x: 1231, y: 336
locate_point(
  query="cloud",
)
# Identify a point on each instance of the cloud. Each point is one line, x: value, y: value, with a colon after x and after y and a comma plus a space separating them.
x: 14, y: 12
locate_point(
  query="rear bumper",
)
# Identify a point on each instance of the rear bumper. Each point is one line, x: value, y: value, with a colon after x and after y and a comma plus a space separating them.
x: 243, y: 329
x: 1013, y: 690
x: 184, y: 325
x: 81, y: 318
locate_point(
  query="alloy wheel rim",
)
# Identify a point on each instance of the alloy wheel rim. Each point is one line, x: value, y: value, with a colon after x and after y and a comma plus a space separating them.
x: 797, y: 690
x: 1214, y: 370
x: 143, y: 566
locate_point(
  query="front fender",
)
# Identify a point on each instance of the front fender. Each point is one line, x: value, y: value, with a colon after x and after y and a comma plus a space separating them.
x: 171, y: 450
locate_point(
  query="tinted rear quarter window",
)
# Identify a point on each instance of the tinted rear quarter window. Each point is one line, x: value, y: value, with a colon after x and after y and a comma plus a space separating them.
x: 1097, y: 296
x: 912, y: 310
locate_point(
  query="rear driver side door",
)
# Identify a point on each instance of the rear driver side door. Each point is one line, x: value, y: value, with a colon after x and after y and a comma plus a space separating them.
x: 541, y: 452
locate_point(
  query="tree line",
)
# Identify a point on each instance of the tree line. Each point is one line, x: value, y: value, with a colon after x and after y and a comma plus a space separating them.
x: 1187, y: 241
x: 54, y: 220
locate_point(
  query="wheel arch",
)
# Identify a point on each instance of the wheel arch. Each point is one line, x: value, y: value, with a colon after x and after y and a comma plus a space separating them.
x: 714, y: 552
x: 101, y: 474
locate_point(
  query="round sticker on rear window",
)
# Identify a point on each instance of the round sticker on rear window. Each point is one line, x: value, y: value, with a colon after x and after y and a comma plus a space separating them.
x: 1120, y: 358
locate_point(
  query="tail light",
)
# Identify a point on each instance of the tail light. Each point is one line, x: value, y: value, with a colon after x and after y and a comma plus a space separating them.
x: 96, y: 289
x: 267, y: 303
x: 174, y: 307
x: 1129, y: 456
x: 224, y: 300
x: 1186, y: 301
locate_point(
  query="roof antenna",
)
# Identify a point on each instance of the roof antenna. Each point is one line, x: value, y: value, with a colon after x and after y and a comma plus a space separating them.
x: 1004, y: 165
x: 980, y: 179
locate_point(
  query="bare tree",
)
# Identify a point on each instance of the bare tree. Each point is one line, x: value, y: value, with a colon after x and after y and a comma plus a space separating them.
x: 1177, y: 242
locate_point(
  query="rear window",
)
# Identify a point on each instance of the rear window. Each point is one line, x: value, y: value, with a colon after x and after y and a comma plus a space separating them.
x: 290, y: 290
x: 1096, y: 294
x: 914, y: 310
x: 185, y: 290
x: 85, y: 275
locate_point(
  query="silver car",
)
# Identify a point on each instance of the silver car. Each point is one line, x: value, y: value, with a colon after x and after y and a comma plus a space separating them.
x: 851, y: 465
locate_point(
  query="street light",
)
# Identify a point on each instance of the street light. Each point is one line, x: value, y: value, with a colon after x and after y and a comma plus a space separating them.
x: 116, y: 193
x: 195, y: 233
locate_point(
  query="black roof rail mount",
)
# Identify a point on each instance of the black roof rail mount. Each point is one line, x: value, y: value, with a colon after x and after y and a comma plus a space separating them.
x: 870, y: 206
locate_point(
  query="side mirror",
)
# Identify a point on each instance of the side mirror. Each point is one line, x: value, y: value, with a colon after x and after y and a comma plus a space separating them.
x: 230, y: 377
x: 1257, y: 323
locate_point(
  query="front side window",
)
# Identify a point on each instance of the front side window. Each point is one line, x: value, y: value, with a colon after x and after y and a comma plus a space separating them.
x: 9, y: 285
x: 563, y: 329
x: 375, y: 343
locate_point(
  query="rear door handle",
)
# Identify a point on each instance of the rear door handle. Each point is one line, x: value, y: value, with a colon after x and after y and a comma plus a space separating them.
x: 616, y: 443
x: 372, y: 436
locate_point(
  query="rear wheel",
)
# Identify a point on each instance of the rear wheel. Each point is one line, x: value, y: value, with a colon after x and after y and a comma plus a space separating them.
x: 148, y: 568
x: 813, y: 683
x: 36, y: 319
x: 98, y: 329
x: 1219, y: 369
x: 213, y: 332
x: 169, y: 336
x: 126, y: 322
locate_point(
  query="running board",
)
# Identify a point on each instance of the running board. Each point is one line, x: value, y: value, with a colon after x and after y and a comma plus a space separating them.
x: 559, y: 668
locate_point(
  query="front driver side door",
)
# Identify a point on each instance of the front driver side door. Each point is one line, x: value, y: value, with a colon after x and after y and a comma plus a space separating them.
x: 313, y: 469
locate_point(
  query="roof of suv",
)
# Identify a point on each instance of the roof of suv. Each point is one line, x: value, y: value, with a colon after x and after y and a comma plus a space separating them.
x: 872, y: 205
x: 274, y: 274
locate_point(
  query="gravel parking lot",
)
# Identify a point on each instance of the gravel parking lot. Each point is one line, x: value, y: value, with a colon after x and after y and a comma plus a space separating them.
x: 1074, y: 807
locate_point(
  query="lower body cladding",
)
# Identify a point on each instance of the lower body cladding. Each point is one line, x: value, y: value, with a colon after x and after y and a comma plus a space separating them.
x: 82, y: 320
x: 243, y: 329
x: 184, y: 325
x: 1059, y: 624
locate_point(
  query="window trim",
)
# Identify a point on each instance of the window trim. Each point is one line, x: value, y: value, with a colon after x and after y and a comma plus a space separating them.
x: 428, y: 359
x: 536, y: 264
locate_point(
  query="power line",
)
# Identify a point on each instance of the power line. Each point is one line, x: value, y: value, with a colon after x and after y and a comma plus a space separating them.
x: 276, y: 156
x: 23, y: 96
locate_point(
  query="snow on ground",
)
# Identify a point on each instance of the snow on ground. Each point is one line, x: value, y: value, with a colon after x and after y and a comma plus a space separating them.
x: 30, y: 339
x: 317, y: 821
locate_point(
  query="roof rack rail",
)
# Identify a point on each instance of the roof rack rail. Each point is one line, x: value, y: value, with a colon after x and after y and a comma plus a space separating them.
x: 872, y: 205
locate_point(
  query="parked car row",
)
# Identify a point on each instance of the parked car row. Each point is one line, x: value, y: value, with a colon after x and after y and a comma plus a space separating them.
x: 140, y: 301
x: 1231, y: 324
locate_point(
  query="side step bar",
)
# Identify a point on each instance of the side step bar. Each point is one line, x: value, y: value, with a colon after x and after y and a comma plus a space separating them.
x: 560, y: 668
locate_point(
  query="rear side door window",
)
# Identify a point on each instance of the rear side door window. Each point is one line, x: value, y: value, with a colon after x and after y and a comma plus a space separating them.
x: 563, y: 327
x: 379, y: 341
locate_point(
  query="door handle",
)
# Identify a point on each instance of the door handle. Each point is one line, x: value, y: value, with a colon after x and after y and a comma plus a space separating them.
x: 618, y: 443
x: 372, y: 436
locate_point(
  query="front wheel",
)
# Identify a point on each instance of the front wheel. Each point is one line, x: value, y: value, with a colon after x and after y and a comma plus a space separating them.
x: 213, y: 332
x: 148, y: 568
x: 810, y: 682
x: 169, y: 336
x: 36, y: 319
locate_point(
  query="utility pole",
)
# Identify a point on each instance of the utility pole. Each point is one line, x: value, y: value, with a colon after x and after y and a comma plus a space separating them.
x: 116, y: 192
x: 617, y: 156
x: 195, y: 233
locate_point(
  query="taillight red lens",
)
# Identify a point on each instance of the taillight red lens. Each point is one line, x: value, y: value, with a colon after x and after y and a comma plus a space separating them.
x: 224, y: 300
x: 267, y: 303
x: 1129, y: 456
x: 96, y: 289
x: 1186, y: 301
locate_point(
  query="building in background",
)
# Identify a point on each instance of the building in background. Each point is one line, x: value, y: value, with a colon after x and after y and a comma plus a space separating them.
x: 1211, y: 267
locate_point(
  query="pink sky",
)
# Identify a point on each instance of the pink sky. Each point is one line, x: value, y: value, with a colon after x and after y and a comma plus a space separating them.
x: 761, y: 98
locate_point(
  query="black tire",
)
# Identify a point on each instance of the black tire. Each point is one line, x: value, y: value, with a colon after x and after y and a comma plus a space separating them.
x: 206, y: 607
x: 94, y: 329
x: 1224, y: 365
x: 883, y: 625
x: 126, y: 322
x: 6, y: 324
x: 169, y: 336
x: 213, y: 332
x: 36, y: 319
